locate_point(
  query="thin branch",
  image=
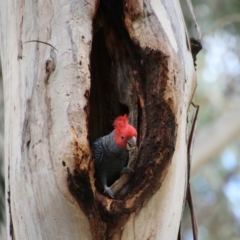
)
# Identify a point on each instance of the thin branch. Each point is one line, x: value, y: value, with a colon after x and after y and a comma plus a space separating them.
x: 189, y: 156
x: 190, y: 6
x: 38, y: 41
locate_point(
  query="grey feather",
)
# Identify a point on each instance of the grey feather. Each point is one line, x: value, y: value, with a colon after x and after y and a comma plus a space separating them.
x: 109, y: 160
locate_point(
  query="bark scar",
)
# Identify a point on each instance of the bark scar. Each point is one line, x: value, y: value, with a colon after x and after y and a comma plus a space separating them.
x: 11, y: 229
x: 50, y: 65
x: 20, y: 29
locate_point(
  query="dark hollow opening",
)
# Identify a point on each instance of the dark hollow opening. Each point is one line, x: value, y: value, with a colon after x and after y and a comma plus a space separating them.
x: 104, y: 102
x: 118, y: 68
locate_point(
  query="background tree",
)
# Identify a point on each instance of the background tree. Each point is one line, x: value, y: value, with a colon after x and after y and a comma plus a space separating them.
x: 141, y: 64
x: 2, y: 183
x: 216, y: 169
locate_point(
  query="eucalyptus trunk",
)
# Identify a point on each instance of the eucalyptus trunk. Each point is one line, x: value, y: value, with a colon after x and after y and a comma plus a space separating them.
x: 107, y: 58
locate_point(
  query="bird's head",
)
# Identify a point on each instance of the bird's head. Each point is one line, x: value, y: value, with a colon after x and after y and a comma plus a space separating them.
x: 125, y: 135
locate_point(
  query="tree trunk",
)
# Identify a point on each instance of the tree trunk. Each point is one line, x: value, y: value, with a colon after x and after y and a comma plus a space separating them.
x: 2, y: 200
x: 112, y: 58
x: 206, y: 148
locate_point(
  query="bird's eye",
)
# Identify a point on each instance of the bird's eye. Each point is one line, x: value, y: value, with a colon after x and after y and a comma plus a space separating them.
x: 122, y: 137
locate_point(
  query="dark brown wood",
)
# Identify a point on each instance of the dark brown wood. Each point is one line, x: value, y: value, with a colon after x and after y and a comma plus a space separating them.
x: 125, y: 79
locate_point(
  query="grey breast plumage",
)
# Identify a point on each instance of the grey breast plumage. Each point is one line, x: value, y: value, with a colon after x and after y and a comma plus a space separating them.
x: 109, y: 159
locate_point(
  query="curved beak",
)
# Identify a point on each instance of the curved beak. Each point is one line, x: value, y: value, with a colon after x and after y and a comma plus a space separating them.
x: 131, y: 143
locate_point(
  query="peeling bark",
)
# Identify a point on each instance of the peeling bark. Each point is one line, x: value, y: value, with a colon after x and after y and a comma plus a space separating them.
x: 115, y: 57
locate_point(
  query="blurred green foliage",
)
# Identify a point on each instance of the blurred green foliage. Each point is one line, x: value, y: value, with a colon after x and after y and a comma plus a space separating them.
x: 216, y: 186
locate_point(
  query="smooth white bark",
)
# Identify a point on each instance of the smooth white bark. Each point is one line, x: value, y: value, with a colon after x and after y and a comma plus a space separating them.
x: 37, y: 131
